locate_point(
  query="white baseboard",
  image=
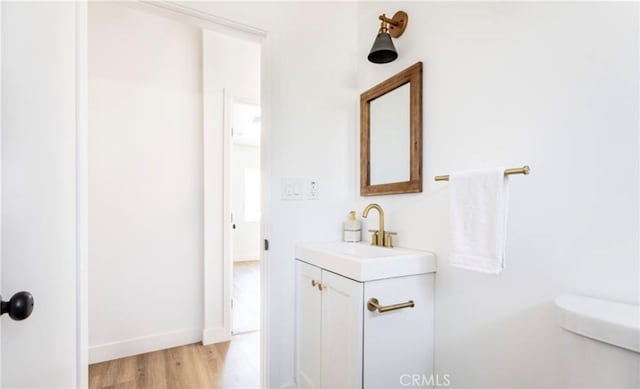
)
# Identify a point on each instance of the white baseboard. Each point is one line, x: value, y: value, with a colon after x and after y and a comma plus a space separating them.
x: 215, y: 335
x: 143, y: 344
x: 290, y: 385
x: 252, y: 259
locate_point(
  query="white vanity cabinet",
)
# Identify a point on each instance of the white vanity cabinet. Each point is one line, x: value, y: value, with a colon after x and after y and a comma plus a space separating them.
x: 329, y: 324
x: 340, y: 343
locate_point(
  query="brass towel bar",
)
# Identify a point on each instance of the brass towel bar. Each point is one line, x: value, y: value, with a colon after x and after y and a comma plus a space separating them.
x: 516, y: 170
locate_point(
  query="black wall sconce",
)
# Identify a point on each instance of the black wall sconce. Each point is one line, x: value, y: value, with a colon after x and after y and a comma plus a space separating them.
x: 383, y: 50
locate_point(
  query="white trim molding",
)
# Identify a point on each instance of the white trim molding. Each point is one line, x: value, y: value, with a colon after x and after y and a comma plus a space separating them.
x: 205, y: 20
x: 143, y: 344
x: 215, y: 335
x: 82, y: 195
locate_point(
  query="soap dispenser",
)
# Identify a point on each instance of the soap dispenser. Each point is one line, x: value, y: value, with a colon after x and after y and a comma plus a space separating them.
x: 351, y: 228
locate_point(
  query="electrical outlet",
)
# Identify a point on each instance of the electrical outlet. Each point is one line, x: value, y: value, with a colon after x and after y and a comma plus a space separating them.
x: 313, y: 190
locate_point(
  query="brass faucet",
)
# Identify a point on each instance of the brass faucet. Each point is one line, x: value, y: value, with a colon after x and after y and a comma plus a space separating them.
x: 379, y: 237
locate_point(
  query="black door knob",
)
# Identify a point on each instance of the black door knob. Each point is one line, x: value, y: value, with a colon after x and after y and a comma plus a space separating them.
x: 19, y: 307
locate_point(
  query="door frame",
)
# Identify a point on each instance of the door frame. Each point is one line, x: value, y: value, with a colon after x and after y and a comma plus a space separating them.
x: 204, y: 21
x: 82, y: 194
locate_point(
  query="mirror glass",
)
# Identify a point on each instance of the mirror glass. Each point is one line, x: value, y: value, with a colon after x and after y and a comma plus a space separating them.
x: 389, y: 137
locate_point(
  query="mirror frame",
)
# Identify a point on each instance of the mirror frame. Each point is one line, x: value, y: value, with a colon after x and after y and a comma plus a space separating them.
x: 412, y: 76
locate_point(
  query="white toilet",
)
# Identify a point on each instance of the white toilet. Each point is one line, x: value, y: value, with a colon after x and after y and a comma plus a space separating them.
x: 601, y: 344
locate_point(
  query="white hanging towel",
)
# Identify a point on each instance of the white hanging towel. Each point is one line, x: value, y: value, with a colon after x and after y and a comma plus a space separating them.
x: 478, y: 217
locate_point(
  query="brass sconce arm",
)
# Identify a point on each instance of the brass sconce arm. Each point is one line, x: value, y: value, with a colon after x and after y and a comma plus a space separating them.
x: 396, y: 25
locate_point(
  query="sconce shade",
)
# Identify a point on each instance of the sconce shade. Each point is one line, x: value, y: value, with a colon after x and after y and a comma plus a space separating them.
x: 383, y: 50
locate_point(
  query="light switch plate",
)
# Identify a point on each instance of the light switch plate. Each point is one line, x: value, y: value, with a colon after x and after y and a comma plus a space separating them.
x: 292, y: 189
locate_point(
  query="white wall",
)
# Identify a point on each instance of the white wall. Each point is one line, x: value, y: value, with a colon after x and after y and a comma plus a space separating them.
x: 145, y: 188
x: 246, y: 236
x: 552, y: 85
x: 39, y: 192
x: 309, y: 104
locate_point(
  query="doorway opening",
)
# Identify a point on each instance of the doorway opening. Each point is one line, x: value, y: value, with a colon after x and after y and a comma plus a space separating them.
x: 233, y: 129
x: 245, y: 216
x: 162, y: 104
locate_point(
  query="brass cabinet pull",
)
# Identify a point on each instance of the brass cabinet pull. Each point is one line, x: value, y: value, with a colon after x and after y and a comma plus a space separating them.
x: 373, y: 305
x: 314, y: 283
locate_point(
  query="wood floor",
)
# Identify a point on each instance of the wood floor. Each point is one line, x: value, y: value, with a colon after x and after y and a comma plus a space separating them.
x: 246, y: 296
x: 234, y: 364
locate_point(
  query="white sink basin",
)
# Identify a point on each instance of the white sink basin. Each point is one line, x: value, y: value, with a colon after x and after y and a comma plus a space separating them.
x: 363, y: 262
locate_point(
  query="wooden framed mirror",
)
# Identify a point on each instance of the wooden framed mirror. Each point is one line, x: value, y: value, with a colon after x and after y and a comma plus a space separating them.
x: 391, y: 135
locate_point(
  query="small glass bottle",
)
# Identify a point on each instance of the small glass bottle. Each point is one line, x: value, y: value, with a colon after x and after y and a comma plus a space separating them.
x: 351, y: 228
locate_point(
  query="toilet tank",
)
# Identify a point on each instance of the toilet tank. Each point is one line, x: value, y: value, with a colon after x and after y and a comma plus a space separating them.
x: 600, y: 342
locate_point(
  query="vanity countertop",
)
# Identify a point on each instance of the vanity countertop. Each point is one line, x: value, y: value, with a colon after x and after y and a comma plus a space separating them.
x: 363, y: 262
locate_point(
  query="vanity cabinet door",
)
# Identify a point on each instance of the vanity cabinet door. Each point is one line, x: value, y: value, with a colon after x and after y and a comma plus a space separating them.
x: 341, y: 331
x: 308, y: 325
x: 398, y: 344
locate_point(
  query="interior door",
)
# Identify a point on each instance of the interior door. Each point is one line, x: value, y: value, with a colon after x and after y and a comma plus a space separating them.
x: 38, y: 116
